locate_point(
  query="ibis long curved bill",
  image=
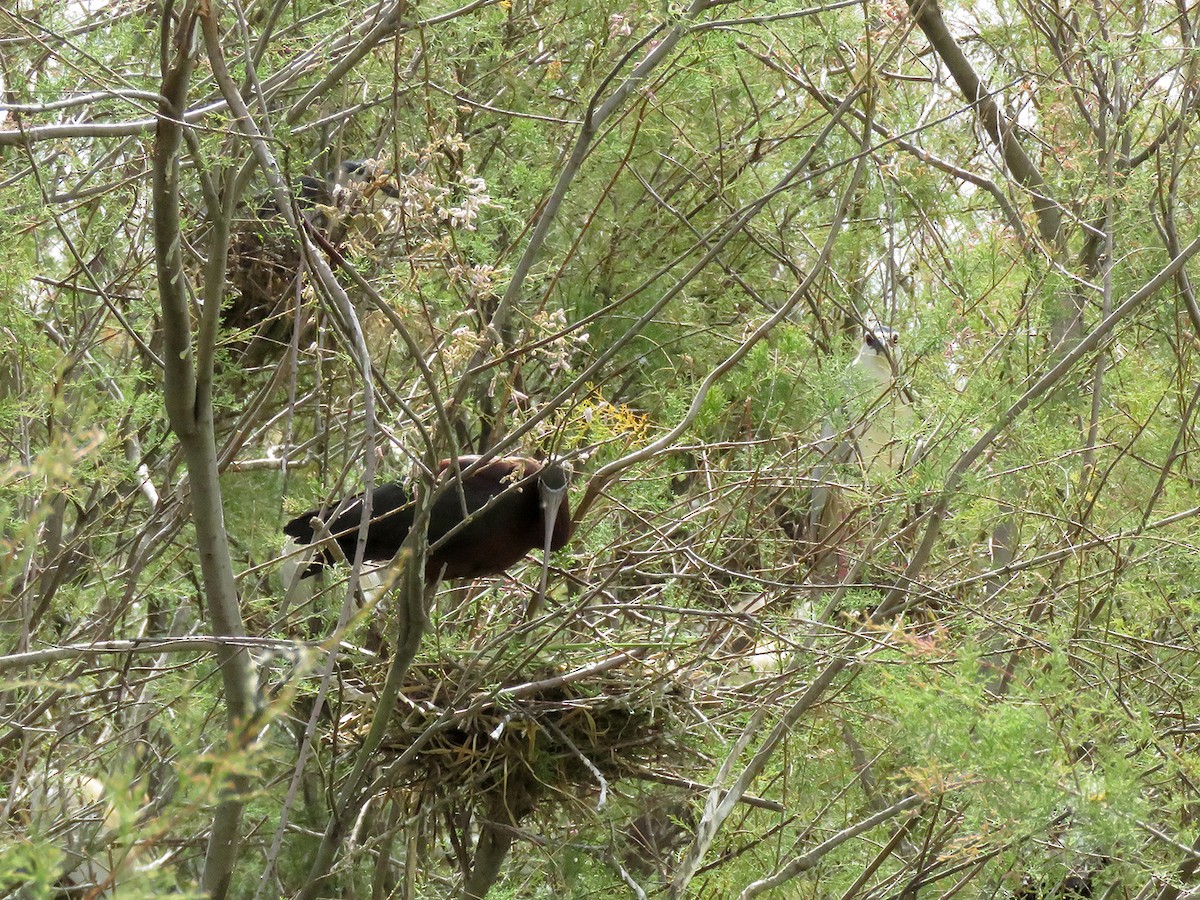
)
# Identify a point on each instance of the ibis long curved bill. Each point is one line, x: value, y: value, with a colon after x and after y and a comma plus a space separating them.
x: 481, y: 526
x: 552, y: 487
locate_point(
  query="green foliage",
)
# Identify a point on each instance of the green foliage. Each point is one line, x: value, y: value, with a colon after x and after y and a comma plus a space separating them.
x: 1037, y: 688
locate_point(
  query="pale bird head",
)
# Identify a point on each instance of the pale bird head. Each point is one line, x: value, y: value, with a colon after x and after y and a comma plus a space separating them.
x: 879, y: 354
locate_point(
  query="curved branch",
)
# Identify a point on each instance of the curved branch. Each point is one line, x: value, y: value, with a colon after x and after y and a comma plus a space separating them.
x: 604, y: 476
x: 719, y: 805
x: 597, y: 113
x: 810, y: 859
x: 187, y: 390
x: 1000, y: 130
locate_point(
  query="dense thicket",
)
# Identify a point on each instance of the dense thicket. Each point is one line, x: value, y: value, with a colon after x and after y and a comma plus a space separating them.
x: 646, y: 238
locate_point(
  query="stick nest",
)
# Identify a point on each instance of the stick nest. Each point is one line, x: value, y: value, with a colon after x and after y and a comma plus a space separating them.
x: 511, y: 741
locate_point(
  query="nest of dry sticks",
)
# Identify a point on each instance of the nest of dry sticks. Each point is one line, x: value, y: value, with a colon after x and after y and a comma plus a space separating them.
x: 465, y: 738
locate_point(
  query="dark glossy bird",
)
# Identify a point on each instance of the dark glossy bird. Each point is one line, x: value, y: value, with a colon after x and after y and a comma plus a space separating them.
x: 1072, y: 887
x: 512, y: 504
x: 313, y: 192
x: 368, y: 172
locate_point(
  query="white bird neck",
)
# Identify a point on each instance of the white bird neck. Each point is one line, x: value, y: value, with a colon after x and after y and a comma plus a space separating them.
x: 875, y: 365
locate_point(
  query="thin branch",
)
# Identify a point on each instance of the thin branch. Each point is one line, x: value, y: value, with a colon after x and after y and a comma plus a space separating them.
x: 814, y: 856
x: 188, y: 399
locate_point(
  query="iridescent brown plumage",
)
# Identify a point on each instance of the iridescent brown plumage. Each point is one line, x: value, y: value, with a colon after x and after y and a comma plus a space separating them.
x: 513, y: 504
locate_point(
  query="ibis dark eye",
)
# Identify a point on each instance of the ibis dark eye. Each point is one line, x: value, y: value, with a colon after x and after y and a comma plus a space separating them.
x: 895, y: 338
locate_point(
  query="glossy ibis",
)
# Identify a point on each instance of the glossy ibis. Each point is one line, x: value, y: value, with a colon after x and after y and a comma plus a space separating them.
x: 513, y: 505
x: 369, y: 172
